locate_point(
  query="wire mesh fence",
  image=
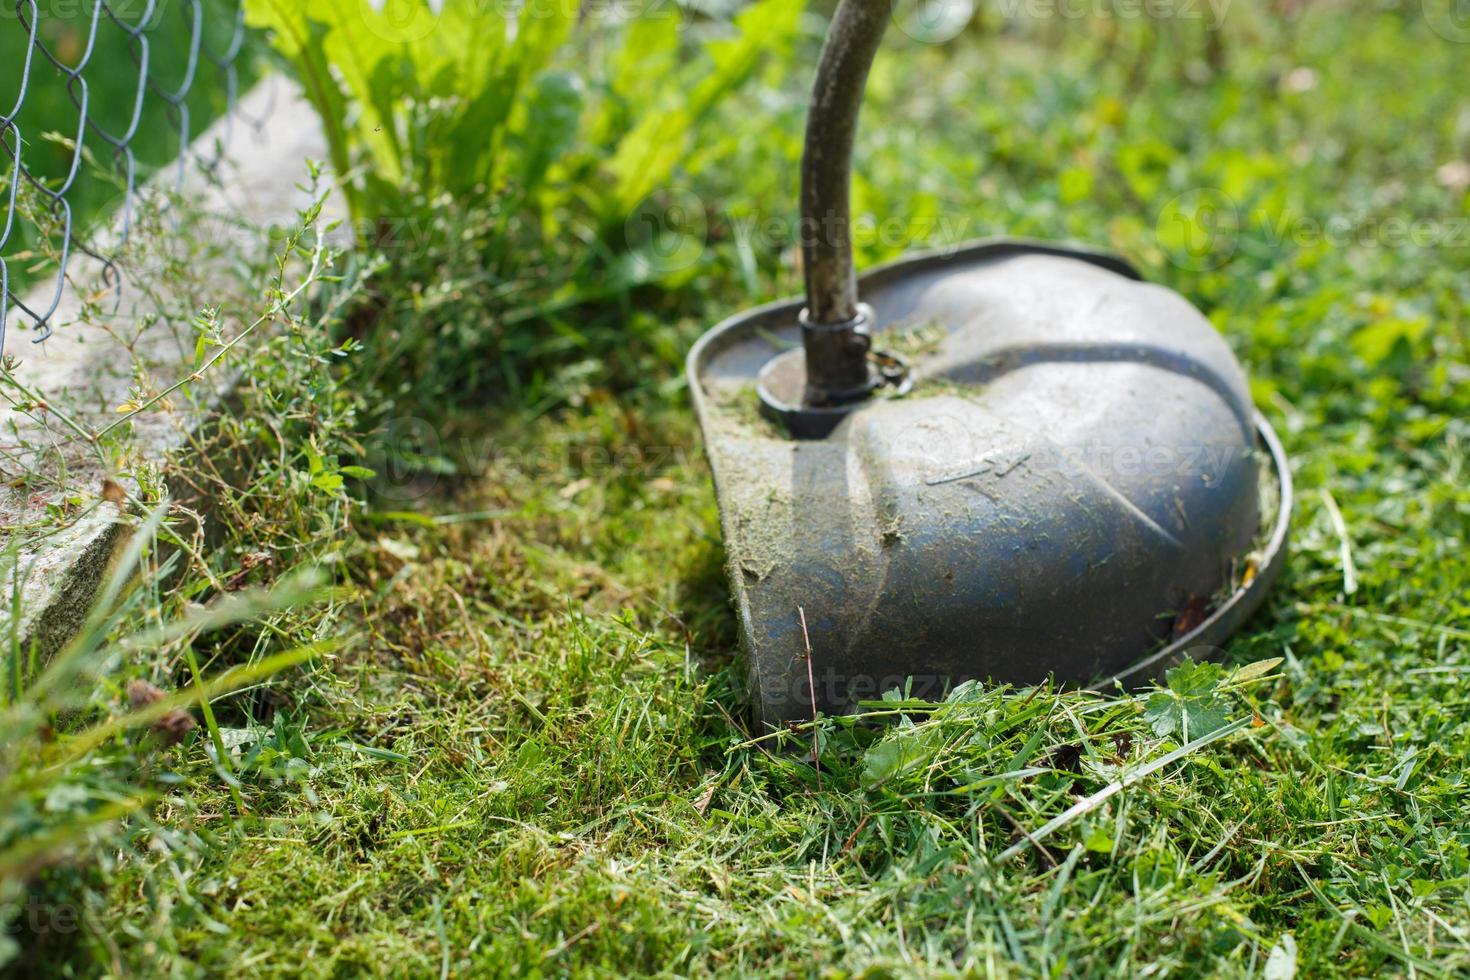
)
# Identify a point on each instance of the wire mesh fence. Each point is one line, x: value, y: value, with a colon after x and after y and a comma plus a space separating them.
x: 101, y: 94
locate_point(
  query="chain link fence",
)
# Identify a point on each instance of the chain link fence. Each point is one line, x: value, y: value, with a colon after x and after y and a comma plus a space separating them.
x: 101, y: 94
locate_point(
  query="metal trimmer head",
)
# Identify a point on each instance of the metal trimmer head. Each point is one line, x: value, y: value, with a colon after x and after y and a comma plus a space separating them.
x: 1010, y: 461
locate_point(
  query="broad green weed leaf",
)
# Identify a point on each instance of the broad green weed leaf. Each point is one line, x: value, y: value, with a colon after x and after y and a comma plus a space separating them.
x: 1376, y: 342
x: 1191, y: 706
x: 883, y: 760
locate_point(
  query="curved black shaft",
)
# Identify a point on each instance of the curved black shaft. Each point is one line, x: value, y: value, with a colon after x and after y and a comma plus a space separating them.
x: 834, y: 335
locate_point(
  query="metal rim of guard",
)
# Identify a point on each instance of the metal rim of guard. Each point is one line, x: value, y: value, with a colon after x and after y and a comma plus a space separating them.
x: 1206, y: 638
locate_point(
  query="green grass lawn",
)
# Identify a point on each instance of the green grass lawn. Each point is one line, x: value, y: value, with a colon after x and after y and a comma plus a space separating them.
x: 532, y: 756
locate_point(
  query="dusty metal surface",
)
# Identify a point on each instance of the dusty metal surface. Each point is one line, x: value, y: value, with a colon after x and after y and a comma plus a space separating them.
x: 1075, y: 466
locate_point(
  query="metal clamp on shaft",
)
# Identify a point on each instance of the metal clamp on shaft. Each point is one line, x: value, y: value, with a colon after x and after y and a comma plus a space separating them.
x: 837, y: 368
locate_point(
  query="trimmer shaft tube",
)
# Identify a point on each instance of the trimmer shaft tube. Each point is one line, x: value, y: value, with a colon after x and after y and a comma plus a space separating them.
x: 835, y: 334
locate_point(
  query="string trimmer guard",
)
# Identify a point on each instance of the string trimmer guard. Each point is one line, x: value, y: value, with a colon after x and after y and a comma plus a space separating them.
x: 1073, y: 479
x: 1010, y: 461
